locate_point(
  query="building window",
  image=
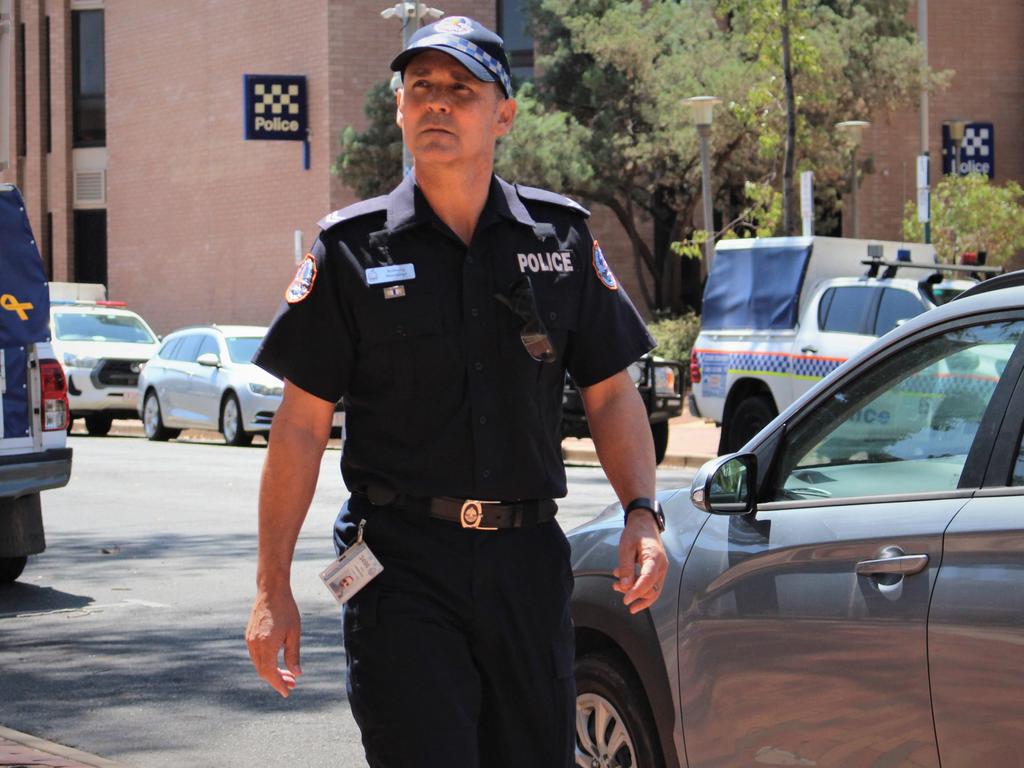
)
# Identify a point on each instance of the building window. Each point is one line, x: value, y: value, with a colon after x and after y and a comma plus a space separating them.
x: 88, y: 79
x: 90, y: 246
x: 512, y: 26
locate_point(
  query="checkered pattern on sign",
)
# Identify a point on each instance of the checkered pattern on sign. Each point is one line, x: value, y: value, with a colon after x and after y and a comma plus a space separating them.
x: 490, y: 63
x: 274, y: 100
x: 976, y: 142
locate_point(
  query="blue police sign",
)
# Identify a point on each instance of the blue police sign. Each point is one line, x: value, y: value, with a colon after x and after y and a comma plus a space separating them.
x: 275, y: 107
x: 977, y: 150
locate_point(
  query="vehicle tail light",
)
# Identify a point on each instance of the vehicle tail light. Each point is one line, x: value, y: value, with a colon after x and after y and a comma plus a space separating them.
x: 55, y: 396
x: 694, y: 367
x: 969, y: 258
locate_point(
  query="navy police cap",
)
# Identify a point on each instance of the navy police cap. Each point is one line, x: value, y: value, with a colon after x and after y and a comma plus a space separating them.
x: 471, y: 43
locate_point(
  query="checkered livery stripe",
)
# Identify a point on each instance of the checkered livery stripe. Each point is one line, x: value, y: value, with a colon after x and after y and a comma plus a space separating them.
x: 490, y: 63
x: 949, y: 384
x: 771, y: 363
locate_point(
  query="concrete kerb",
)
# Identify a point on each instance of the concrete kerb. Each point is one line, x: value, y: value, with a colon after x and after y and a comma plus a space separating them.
x: 21, y: 746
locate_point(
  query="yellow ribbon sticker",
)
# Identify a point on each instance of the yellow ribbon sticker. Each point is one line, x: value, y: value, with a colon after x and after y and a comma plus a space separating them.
x: 11, y: 304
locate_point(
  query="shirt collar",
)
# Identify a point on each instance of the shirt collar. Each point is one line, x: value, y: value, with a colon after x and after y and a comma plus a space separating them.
x: 407, y: 206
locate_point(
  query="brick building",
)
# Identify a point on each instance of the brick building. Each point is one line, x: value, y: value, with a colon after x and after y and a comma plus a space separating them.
x: 128, y: 139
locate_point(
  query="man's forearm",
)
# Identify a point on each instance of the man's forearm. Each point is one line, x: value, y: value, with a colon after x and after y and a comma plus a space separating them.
x: 289, y: 480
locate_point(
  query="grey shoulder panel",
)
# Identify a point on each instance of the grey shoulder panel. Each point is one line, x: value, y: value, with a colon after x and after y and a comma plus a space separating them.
x: 354, y: 211
x: 552, y: 198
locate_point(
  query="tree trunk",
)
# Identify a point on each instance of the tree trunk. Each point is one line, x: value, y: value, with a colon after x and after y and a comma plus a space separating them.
x: 789, y: 163
x: 641, y: 253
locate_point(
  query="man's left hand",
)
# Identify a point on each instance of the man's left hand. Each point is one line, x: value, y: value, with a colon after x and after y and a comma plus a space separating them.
x: 641, y: 546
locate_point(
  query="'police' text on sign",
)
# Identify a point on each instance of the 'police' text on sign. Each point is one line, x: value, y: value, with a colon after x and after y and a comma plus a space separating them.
x: 275, y: 107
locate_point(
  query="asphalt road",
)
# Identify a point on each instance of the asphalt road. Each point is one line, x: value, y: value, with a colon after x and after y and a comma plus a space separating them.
x: 124, y: 639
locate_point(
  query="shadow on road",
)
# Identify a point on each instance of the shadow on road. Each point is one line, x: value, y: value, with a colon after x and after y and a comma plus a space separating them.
x: 19, y: 599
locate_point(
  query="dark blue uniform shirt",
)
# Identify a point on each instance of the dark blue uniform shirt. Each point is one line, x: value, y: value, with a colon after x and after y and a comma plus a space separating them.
x: 393, y: 312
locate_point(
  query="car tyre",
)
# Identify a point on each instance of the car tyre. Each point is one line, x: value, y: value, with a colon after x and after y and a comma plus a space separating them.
x: 11, y: 568
x: 608, y: 692
x: 231, y: 422
x: 659, y: 431
x: 98, y: 425
x: 153, y: 420
x: 748, y: 418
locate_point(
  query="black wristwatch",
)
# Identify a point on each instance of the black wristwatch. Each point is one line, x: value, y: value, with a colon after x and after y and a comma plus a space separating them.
x: 652, y: 505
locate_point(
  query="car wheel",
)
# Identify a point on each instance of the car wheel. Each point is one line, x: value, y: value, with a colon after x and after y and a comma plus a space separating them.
x: 153, y: 421
x: 614, y: 725
x: 98, y: 425
x: 11, y: 568
x: 749, y: 418
x: 660, y: 433
x: 231, y: 422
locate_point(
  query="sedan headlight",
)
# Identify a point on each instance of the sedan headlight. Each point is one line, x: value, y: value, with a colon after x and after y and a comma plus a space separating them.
x: 75, y: 361
x: 265, y: 390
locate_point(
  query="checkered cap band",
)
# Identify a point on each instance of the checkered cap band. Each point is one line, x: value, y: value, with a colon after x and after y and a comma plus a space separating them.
x: 473, y: 50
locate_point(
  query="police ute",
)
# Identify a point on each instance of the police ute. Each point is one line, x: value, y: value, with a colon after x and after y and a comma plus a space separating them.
x: 33, y: 392
x: 780, y: 314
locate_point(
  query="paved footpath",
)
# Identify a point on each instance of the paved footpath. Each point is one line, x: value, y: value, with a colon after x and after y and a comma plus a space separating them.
x: 19, y: 750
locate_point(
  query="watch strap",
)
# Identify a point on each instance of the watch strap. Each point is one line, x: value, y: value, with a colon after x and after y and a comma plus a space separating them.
x: 652, y: 505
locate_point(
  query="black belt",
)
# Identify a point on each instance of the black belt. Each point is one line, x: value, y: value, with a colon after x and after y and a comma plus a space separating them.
x: 469, y: 513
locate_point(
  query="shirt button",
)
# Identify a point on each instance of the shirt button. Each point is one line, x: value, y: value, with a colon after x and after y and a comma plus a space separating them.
x: 552, y: 315
x: 469, y: 259
x: 483, y: 419
x: 478, y: 365
x: 486, y: 473
x: 474, y: 312
x: 400, y: 330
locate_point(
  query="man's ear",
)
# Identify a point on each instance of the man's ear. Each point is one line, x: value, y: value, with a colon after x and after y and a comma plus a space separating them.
x: 506, y: 116
x: 399, y: 95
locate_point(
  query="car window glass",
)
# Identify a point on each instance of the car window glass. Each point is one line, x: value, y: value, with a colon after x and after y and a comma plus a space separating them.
x: 186, y: 351
x: 208, y: 344
x: 904, y: 426
x: 847, y: 309
x: 74, y: 326
x: 824, y: 305
x: 895, y: 307
x: 242, y: 348
x: 167, y: 350
x: 1018, y: 469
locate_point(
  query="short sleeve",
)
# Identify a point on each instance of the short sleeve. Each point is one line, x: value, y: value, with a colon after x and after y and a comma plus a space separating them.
x: 610, y: 334
x: 310, y: 341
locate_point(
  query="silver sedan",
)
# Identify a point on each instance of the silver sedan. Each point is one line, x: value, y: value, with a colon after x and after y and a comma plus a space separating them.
x: 848, y: 590
x: 203, y: 378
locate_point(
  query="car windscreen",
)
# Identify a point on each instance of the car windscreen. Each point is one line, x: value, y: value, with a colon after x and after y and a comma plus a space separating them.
x: 71, y: 326
x: 242, y: 348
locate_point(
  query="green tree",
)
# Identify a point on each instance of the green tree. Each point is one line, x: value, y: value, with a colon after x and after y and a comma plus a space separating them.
x: 370, y: 162
x: 969, y: 213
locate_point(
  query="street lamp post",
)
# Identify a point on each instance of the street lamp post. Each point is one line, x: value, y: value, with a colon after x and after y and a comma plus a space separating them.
x: 854, y: 129
x: 957, y: 128
x: 702, y: 108
x: 411, y: 14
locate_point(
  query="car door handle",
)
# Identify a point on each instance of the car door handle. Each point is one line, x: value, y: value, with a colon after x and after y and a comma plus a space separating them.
x: 809, y: 350
x: 893, y: 561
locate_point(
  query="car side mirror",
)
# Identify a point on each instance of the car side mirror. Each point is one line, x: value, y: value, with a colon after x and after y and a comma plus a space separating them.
x: 726, y: 485
x: 209, y: 359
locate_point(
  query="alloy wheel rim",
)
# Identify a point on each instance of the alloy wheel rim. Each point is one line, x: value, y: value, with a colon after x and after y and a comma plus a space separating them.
x: 602, y: 739
x: 230, y: 420
x: 151, y: 411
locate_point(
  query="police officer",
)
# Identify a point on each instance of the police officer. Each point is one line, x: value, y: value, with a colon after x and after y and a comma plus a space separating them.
x: 446, y: 314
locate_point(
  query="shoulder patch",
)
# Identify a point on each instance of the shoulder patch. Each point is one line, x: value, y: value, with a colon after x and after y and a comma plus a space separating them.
x: 354, y: 211
x: 302, y: 283
x: 604, y: 272
x: 545, y: 196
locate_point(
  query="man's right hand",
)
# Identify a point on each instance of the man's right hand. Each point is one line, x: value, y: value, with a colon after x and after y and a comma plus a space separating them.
x: 273, y: 623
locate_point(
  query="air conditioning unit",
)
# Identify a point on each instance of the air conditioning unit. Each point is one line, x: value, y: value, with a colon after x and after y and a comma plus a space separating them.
x: 89, y: 180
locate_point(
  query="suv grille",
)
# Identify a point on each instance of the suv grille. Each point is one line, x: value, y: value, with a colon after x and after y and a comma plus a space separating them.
x: 117, y: 373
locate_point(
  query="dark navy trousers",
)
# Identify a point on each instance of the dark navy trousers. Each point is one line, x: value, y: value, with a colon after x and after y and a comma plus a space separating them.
x: 460, y: 654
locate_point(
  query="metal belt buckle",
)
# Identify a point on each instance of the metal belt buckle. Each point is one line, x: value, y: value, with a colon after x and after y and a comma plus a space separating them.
x: 472, y: 514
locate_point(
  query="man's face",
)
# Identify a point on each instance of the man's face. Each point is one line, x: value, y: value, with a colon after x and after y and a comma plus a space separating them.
x: 446, y: 114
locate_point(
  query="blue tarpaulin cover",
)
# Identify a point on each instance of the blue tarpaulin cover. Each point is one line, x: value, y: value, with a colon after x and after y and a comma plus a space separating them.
x: 756, y: 287
x: 24, y: 306
x: 24, y: 291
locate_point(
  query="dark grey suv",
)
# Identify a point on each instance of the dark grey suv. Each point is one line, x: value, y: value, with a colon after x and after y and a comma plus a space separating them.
x: 849, y: 589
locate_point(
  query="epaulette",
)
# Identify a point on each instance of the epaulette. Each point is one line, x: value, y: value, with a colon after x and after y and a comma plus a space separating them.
x: 545, y: 196
x: 354, y: 211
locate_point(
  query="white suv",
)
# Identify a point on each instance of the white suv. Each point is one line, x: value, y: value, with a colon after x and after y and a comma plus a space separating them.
x: 102, y: 346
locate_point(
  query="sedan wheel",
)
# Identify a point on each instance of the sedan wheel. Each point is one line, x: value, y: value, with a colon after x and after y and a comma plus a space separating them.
x: 152, y: 420
x: 614, y: 727
x: 231, y: 422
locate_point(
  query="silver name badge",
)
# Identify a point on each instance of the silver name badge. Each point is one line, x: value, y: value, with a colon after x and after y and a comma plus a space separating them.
x: 356, y: 568
x: 390, y: 274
